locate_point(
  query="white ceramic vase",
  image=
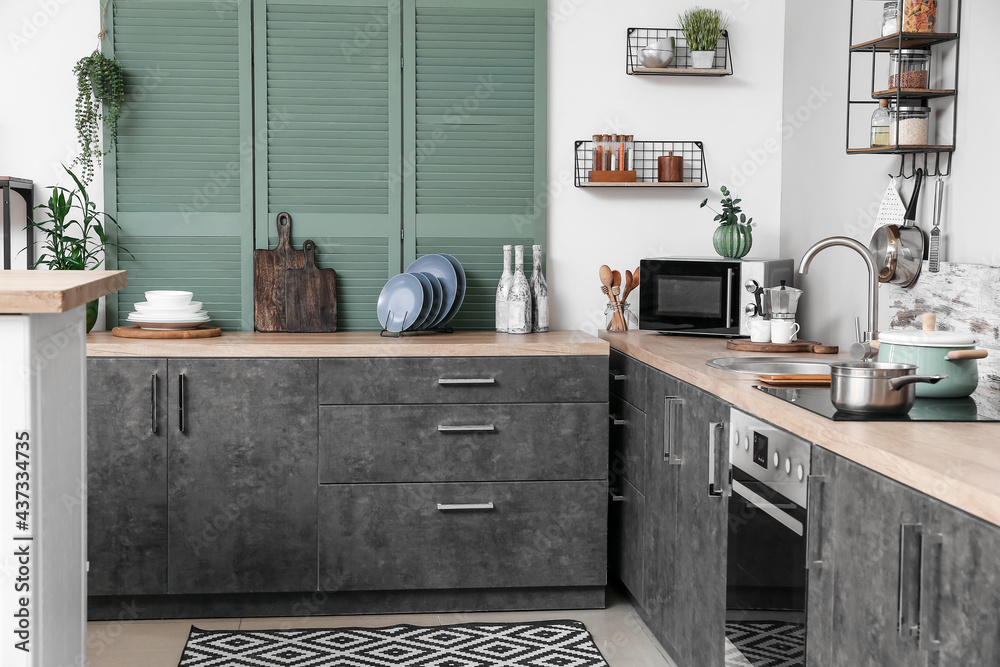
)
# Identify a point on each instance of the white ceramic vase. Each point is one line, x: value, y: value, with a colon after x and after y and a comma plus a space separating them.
x: 702, y: 59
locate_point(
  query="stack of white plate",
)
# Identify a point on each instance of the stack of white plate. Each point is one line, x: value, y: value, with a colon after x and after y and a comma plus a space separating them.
x: 168, y: 309
x: 427, y: 296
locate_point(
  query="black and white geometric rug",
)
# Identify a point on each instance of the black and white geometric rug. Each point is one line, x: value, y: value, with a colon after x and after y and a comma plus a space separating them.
x: 767, y: 644
x: 541, y: 644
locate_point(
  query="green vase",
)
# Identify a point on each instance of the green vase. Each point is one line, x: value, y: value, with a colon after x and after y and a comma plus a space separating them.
x: 92, y: 314
x: 732, y: 241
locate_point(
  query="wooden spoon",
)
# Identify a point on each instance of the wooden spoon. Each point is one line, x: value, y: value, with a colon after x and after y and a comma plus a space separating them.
x: 616, y: 281
x: 607, y: 278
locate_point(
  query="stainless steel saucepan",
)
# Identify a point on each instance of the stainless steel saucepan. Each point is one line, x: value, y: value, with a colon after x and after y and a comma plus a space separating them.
x: 899, y: 251
x: 876, y: 388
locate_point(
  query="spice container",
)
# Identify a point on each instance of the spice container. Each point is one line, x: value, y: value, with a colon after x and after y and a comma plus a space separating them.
x: 880, y: 125
x: 629, y: 151
x: 909, y: 126
x: 607, y: 153
x: 598, y: 161
x: 890, y: 18
x: 911, y: 67
x: 919, y: 15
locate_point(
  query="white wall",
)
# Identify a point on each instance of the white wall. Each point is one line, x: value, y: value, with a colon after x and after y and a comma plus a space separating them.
x: 825, y: 192
x: 738, y: 118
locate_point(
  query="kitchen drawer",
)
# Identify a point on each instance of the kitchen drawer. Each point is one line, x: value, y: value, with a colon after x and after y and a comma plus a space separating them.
x: 626, y: 544
x: 627, y: 378
x: 627, y: 440
x: 410, y: 536
x: 389, y: 380
x: 427, y: 443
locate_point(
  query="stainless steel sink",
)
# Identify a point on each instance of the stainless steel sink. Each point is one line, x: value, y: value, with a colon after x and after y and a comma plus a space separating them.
x: 771, y: 365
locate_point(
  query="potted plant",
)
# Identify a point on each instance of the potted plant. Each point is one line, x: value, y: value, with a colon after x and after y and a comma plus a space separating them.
x: 100, y: 88
x: 733, y: 237
x: 702, y: 30
x: 71, y: 244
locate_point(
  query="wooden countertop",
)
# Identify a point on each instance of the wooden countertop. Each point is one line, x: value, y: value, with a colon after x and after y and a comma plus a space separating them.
x: 24, y: 292
x: 958, y: 463
x: 352, y: 344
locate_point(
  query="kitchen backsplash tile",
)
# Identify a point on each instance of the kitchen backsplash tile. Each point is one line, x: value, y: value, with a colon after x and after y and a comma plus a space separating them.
x: 966, y: 299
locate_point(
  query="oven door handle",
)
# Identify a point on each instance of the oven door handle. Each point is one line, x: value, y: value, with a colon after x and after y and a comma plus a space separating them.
x: 759, y: 502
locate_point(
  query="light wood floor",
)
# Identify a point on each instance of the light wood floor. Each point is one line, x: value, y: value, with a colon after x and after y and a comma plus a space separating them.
x: 622, y: 637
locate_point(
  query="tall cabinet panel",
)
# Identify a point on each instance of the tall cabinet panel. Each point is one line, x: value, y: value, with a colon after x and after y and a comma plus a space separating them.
x: 126, y: 476
x: 327, y: 75
x: 242, y: 478
x: 474, y: 136
x: 179, y: 178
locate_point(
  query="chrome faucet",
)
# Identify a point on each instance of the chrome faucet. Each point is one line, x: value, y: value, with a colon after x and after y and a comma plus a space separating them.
x: 863, y: 348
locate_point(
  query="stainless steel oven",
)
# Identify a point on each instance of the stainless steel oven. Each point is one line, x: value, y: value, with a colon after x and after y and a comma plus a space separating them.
x: 704, y: 296
x: 766, y: 574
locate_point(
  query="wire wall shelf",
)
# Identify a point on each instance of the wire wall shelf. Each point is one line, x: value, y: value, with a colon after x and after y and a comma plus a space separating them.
x: 681, y: 65
x: 645, y: 164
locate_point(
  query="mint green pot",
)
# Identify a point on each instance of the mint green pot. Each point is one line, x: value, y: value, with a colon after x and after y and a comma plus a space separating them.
x: 963, y: 374
x: 732, y: 241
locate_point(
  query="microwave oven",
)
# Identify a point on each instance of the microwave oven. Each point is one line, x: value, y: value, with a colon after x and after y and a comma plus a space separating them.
x: 709, y: 296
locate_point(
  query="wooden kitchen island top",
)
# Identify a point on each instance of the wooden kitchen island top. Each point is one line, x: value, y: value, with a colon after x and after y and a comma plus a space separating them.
x: 958, y: 463
x: 353, y: 344
x: 24, y: 292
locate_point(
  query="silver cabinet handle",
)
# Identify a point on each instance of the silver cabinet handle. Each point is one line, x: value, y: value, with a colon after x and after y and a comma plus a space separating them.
x: 180, y: 402
x: 671, y: 428
x: 153, y: 418
x: 818, y: 496
x: 615, y: 496
x: 908, y: 618
x: 615, y: 421
x: 618, y: 377
x: 458, y: 382
x: 470, y: 428
x: 930, y: 592
x: 719, y: 484
x: 464, y: 507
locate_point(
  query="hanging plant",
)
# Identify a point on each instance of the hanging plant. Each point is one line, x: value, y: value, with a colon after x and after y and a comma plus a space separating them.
x: 100, y: 87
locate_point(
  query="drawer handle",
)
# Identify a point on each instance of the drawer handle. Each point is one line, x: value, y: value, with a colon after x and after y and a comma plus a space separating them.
x: 470, y: 428
x: 615, y: 421
x: 464, y: 507
x: 458, y: 382
x: 617, y: 377
x: 615, y: 496
x: 180, y: 402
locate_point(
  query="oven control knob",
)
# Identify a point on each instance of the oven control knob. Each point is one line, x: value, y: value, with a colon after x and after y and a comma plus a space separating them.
x: 776, y: 459
x: 751, y: 286
x: 736, y: 438
x: 800, y: 472
x: 746, y: 443
x: 750, y: 309
x: 788, y: 466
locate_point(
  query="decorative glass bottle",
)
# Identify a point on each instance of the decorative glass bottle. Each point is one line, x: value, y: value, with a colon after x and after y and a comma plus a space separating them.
x: 539, y: 293
x: 519, y: 299
x: 503, y: 291
x: 880, y: 125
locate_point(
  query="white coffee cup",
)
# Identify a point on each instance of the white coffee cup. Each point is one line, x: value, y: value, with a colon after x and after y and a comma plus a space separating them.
x: 760, y: 330
x: 783, y: 331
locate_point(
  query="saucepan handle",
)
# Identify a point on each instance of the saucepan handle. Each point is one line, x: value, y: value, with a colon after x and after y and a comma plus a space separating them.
x: 900, y: 382
x: 956, y: 355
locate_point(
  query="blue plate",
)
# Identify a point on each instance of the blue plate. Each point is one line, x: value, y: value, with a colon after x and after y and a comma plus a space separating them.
x: 428, y: 302
x: 436, y: 300
x: 400, y: 302
x: 440, y: 268
x: 460, y: 292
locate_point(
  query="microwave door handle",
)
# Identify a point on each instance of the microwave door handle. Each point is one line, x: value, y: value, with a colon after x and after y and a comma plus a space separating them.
x: 729, y: 298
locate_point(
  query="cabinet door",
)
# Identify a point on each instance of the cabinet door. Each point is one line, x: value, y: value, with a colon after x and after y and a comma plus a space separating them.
x: 627, y: 538
x: 126, y: 476
x: 702, y: 516
x: 242, y: 477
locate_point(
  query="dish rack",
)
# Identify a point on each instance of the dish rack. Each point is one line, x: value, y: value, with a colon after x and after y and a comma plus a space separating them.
x: 638, y: 38
x: 645, y: 154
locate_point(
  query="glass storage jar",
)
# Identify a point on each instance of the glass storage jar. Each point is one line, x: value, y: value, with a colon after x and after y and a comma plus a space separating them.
x: 880, y: 125
x: 909, y: 126
x: 890, y: 18
x: 919, y: 15
x: 911, y: 67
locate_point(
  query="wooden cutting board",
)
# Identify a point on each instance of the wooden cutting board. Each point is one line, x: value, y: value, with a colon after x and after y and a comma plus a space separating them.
x: 310, y: 296
x: 136, y: 332
x: 269, y: 268
x: 809, y: 346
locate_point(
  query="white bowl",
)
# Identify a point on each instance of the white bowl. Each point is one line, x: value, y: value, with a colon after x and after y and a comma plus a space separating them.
x: 169, y: 298
x: 146, y: 307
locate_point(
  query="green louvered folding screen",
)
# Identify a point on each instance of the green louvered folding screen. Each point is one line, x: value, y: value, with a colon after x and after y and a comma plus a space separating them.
x: 474, y: 131
x: 179, y: 180
x: 328, y: 83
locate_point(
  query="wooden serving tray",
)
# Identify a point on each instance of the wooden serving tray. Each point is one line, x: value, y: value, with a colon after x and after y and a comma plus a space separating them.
x: 806, y: 346
x: 612, y: 177
x: 136, y: 332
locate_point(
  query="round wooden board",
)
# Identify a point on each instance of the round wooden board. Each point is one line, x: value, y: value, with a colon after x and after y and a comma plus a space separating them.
x: 809, y: 346
x: 136, y: 332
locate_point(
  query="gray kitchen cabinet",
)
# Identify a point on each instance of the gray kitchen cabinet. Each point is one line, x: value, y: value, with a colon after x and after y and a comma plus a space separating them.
x: 627, y: 539
x: 242, y: 475
x: 126, y: 476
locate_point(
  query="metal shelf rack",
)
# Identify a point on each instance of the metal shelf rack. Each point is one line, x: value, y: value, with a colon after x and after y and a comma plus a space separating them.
x: 935, y: 159
x: 638, y: 38
x: 644, y: 158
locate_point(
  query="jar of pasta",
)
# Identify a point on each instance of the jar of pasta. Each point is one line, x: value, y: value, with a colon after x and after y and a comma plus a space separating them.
x: 919, y: 15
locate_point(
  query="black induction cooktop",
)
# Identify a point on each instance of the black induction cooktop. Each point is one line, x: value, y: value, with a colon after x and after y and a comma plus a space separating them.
x: 817, y: 399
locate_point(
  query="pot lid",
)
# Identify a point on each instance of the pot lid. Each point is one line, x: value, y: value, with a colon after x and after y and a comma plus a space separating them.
x: 927, y: 338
